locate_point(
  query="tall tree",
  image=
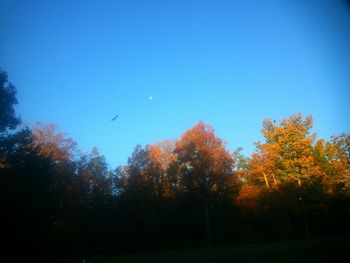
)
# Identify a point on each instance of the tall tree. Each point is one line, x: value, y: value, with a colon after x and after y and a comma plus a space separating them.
x: 54, y: 145
x: 93, y: 179
x: 160, y: 156
x: 26, y: 194
x: 132, y: 178
x: 8, y: 119
x: 206, y: 167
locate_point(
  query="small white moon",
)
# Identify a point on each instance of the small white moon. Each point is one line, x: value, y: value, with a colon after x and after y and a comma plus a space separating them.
x: 150, y: 97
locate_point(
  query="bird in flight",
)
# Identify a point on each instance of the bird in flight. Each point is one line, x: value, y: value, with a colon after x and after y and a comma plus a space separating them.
x: 115, y: 117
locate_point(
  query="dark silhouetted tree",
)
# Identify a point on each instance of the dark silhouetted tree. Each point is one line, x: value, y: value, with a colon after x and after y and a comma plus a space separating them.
x: 8, y: 100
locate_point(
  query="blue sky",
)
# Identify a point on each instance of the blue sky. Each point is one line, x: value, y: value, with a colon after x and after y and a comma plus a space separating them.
x: 228, y: 63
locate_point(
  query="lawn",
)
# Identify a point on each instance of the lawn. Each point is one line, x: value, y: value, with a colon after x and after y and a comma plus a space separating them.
x: 311, y: 250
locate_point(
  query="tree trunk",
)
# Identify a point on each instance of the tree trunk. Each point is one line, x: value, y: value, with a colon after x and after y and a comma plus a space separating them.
x: 207, y: 222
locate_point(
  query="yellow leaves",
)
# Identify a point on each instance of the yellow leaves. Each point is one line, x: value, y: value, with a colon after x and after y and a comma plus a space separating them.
x: 333, y: 161
x: 287, y: 152
x: 291, y: 154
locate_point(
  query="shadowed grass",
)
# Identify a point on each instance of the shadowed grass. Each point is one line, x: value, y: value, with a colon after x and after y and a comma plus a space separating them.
x: 312, y: 250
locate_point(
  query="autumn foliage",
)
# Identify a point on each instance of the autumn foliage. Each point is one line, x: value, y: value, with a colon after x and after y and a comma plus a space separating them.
x: 60, y: 202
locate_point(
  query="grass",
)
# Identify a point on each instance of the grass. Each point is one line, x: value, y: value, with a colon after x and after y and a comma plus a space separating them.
x: 311, y: 250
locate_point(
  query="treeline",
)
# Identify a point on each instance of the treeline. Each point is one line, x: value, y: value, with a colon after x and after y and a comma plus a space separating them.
x: 58, y: 202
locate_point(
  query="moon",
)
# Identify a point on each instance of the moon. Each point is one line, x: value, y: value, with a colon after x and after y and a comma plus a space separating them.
x: 150, y: 97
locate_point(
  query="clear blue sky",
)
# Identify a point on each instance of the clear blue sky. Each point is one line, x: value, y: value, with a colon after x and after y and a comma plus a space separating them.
x: 228, y: 63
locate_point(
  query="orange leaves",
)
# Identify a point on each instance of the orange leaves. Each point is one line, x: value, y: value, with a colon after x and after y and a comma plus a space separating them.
x: 52, y: 144
x: 209, y: 165
x: 200, y: 146
x: 248, y: 197
x: 161, y: 153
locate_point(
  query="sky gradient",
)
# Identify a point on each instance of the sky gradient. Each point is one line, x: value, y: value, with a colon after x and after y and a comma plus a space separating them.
x: 227, y: 63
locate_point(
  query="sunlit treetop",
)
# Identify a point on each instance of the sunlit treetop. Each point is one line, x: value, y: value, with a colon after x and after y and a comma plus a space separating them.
x: 287, y: 153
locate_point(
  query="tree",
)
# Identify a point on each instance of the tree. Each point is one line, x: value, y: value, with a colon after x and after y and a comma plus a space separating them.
x: 140, y: 197
x: 93, y: 181
x: 342, y: 143
x: 147, y: 171
x: 160, y: 157
x: 292, y: 166
x: 132, y: 178
x: 206, y: 167
x: 53, y: 144
x: 8, y: 119
x: 241, y: 166
x: 26, y: 194
x: 93, y: 193
x: 333, y: 159
x: 287, y: 154
x: 50, y: 143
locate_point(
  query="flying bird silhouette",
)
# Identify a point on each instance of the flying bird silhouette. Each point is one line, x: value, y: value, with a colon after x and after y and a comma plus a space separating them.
x: 115, y: 117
